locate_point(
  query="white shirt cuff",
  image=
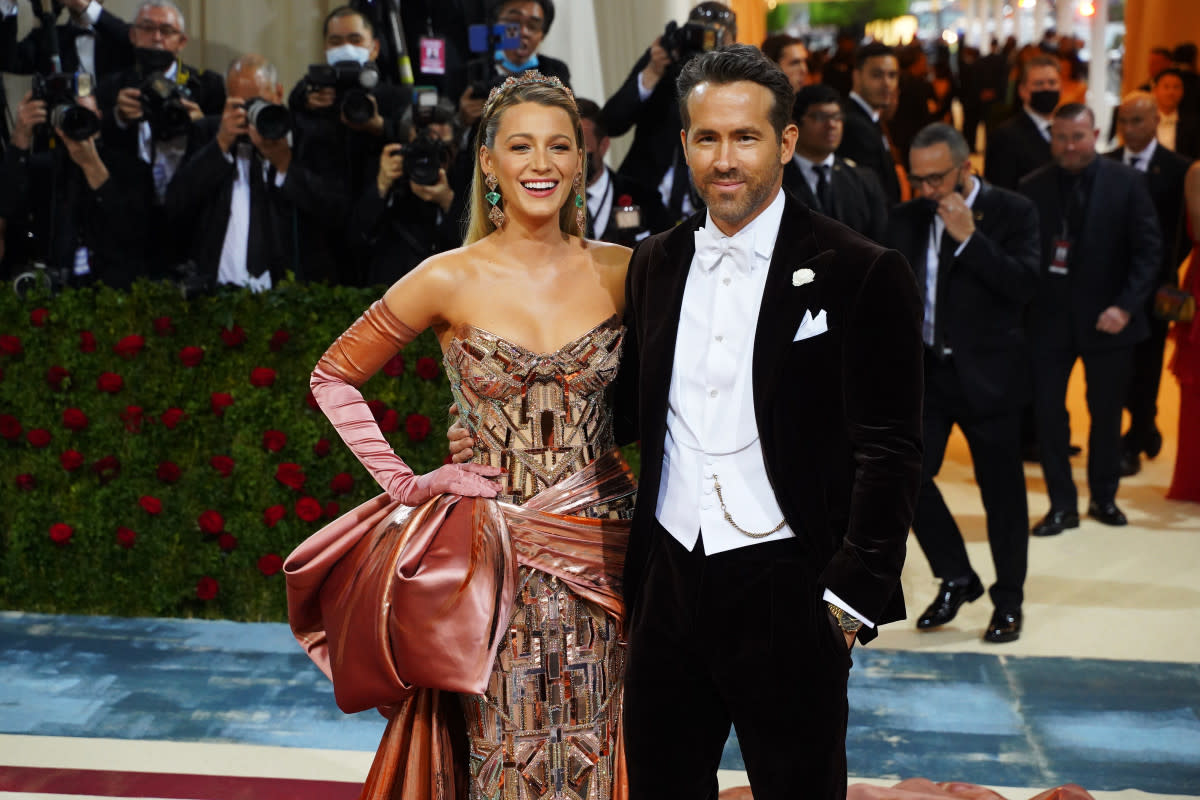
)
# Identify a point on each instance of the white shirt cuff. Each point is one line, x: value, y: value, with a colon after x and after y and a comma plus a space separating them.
x: 643, y: 92
x: 8, y: 8
x: 830, y: 597
x: 963, y: 246
x: 92, y: 12
x: 280, y: 177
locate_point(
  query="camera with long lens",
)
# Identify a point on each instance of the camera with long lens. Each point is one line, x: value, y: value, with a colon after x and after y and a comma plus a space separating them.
x: 162, y: 105
x: 59, y: 91
x: 40, y: 278
x: 690, y: 39
x: 426, y: 155
x: 272, y: 121
x: 352, y: 82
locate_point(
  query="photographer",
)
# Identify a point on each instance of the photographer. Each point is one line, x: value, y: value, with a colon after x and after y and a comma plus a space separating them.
x: 416, y: 205
x: 92, y: 41
x: 242, y: 194
x: 648, y: 100
x: 77, y: 207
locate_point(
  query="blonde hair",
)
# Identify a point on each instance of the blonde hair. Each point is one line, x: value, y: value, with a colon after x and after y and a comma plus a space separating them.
x: 478, y: 224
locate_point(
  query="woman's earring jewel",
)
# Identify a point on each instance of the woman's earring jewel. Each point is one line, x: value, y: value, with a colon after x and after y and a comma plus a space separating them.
x: 580, y: 213
x: 493, y: 197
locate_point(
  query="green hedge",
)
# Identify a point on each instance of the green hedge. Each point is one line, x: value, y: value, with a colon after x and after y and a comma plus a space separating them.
x: 116, y: 445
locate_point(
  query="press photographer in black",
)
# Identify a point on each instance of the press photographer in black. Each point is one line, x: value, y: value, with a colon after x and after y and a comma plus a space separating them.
x: 92, y: 40
x: 73, y: 206
x: 648, y: 100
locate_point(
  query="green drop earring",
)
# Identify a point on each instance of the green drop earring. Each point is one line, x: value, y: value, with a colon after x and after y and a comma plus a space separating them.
x: 580, y: 213
x: 496, y: 215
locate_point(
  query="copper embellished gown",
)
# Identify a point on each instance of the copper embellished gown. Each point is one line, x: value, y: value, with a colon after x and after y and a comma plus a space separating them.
x: 547, y: 725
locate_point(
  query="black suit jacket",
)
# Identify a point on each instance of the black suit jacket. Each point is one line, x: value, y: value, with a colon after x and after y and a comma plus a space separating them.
x: 1187, y: 134
x: 1164, y: 177
x: 839, y: 414
x: 858, y: 199
x: 862, y: 143
x: 1014, y: 149
x: 1114, y: 260
x: 656, y: 140
x: 982, y: 293
x: 654, y: 218
x: 114, y: 51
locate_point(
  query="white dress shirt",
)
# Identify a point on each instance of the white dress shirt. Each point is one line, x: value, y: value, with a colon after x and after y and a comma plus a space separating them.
x: 232, y: 267
x: 163, y: 157
x: 1141, y: 161
x: 1168, y: 124
x: 1043, y: 124
x: 932, y: 257
x: 599, y: 202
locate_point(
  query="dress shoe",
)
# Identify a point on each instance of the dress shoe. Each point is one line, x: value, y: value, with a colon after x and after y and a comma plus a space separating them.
x: 1005, y: 626
x: 1131, y: 464
x: 1108, y: 513
x: 1056, y: 522
x: 1074, y: 449
x: 1153, y: 444
x: 950, y: 597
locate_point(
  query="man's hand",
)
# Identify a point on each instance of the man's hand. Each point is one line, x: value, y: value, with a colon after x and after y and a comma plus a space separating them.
x: 373, y: 126
x: 129, y: 105
x: 460, y: 440
x: 391, y: 167
x: 318, y: 99
x: 850, y: 639
x: 77, y: 7
x: 86, y: 156
x: 1112, y: 320
x: 960, y: 221
x: 470, y: 108
x: 233, y: 123
x: 439, y: 193
x: 193, y: 108
x: 660, y: 59
x: 30, y: 114
x: 277, y: 151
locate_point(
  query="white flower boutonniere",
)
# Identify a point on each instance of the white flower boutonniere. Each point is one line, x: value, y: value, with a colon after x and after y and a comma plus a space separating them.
x: 803, y: 276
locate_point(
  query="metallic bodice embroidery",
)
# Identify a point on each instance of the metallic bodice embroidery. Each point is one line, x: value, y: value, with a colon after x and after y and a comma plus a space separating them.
x: 541, y: 416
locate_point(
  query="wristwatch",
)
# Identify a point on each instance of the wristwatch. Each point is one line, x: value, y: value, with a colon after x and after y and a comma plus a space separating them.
x: 845, y: 621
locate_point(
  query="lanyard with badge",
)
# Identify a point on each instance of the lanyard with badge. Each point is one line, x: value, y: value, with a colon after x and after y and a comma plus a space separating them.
x: 1060, y: 259
x: 433, y: 49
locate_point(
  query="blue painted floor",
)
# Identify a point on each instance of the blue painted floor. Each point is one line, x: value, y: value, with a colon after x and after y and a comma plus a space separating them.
x: 996, y: 720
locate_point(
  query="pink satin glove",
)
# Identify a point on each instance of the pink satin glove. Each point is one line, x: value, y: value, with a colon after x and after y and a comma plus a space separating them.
x: 357, y: 355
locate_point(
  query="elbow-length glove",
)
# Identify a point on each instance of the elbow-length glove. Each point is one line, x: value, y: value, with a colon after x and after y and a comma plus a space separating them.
x: 357, y: 355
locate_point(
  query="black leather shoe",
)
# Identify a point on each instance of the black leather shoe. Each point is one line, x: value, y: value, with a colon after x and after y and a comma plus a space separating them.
x: 1074, y: 449
x: 1153, y: 444
x: 1108, y: 513
x: 1131, y: 464
x: 950, y: 597
x: 1055, y: 523
x: 1005, y: 626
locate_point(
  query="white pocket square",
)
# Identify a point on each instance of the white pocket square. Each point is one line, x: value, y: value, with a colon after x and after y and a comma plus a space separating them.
x: 811, y: 326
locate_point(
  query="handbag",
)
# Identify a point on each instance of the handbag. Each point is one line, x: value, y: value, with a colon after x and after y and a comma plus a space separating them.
x: 1174, y: 304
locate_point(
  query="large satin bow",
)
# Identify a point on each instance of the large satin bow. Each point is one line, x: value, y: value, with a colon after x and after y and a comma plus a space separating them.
x: 711, y: 248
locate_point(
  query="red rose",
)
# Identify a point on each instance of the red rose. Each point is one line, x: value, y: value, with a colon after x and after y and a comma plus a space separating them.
x: 206, y: 588
x: 311, y: 400
x: 278, y: 340
x: 61, y: 533
x: 395, y: 367
x: 341, y: 483
x: 291, y: 475
x: 110, y: 382
x: 427, y: 368
x: 168, y: 472
x: 151, y: 505
x: 191, y: 356
x: 262, y: 377
x: 272, y: 515
x: 132, y: 417
x: 227, y: 542
x: 624, y: 201
x: 10, y: 346
x: 321, y: 448
x: 107, y: 468
x: 38, y: 317
x: 26, y: 482
x: 332, y: 509
x: 56, y: 376
x: 87, y: 342
x: 126, y: 537
x: 234, y: 336
x: 211, y: 522
x: 71, y: 460
x: 129, y: 346
x: 10, y: 426
x: 172, y: 417
x: 417, y: 426
x: 274, y: 440
x: 74, y: 419
x: 377, y: 407
x: 220, y: 402
x: 38, y: 437
x: 390, y: 421
x: 308, y: 509
x: 222, y: 464
x: 163, y: 326
x: 270, y: 564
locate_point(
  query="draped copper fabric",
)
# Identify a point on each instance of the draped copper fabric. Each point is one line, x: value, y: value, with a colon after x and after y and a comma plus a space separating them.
x: 387, y: 599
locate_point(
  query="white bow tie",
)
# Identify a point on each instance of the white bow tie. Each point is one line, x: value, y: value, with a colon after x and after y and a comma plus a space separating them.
x: 710, y: 249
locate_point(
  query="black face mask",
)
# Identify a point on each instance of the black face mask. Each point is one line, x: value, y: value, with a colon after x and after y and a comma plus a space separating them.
x: 150, y: 60
x: 594, y: 164
x: 931, y: 206
x: 1044, y: 101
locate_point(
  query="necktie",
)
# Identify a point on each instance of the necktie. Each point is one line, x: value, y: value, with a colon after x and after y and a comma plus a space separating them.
x: 1136, y: 162
x: 712, y: 247
x: 823, y: 200
x: 257, y: 245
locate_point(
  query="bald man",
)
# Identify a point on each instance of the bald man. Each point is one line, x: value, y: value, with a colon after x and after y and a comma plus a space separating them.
x: 1137, y: 125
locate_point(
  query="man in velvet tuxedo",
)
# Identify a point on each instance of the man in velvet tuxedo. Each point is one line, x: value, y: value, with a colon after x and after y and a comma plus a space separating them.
x: 876, y: 82
x: 1100, y: 256
x: 773, y: 359
x: 975, y: 250
x: 1022, y: 144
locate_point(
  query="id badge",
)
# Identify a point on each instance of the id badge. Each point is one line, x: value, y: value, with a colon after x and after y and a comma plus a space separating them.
x: 1060, y: 257
x: 629, y: 217
x: 433, y: 56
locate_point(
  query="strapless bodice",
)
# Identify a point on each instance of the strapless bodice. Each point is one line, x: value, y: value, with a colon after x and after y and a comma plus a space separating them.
x: 541, y: 416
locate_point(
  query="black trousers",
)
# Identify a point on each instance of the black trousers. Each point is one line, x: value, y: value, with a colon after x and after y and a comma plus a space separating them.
x: 742, y: 638
x: 1142, y: 397
x: 1107, y: 373
x: 995, y: 444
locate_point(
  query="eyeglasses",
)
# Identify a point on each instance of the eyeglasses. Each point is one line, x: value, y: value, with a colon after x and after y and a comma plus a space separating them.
x: 932, y: 181
x: 822, y: 118
x: 530, y: 24
x: 165, y: 30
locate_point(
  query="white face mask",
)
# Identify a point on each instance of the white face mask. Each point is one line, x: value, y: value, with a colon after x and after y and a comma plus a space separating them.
x: 347, y: 52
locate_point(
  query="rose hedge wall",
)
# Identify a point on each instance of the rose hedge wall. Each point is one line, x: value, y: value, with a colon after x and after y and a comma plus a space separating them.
x: 161, y: 456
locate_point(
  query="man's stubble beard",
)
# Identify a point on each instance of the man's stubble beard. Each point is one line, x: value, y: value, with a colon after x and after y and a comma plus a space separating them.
x: 736, y: 210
